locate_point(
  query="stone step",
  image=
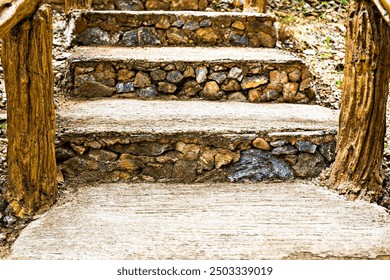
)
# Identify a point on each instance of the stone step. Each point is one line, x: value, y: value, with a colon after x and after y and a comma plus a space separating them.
x: 294, y: 220
x: 160, y: 28
x: 164, y: 5
x: 250, y: 74
x: 197, y: 141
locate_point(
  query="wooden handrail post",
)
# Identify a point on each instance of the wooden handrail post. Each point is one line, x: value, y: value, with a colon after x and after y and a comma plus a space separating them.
x: 259, y: 6
x: 31, y: 126
x: 71, y: 5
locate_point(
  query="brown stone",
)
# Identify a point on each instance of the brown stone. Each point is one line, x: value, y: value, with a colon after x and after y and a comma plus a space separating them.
x: 104, y: 72
x: 158, y: 75
x: 253, y: 82
x: 295, y: 75
x: 185, y: 171
x: 261, y: 144
x: 206, y: 36
x: 267, y: 40
x: 271, y: 92
x: 203, y: 5
x: 82, y: 79
x: 278, y: 77
x: 191, y: 88
x: 189, y: 72
x: 290, y: 91
x: 231, y: 85
x: 102, y: 155
x: 128, y: 162
x: 78, y: 149
x: 163, y: 23
x: 254, y: 95
x: 223, y: 158
x: 176, y: 37
x: 142, y: 80
x: 81, y: 70
x: 238, y: 25
x: 158, y: 171
x: 166, y: 87
x: 207, y: 159
x: 125, y: 75
x: 211, y: 91
x: 305, y: 84
x: 153, y: 5
x: 191, y: 151
x: 94, y: 89
x: 179, y: 5
x: 237, y: 96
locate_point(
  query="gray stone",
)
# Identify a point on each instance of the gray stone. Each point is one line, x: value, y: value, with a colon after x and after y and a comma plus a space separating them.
x: 175, y: 77
x: 147, y: 92
x: 218, y: 77
x: 235, y: 73
x: 96, y: 36
x: 3, y: 203
x: 285, y: 150
x: 258, y: 165
x: 279, y: 143
x: 306, y: 146
x: 239, y: 40
x: 201, y: 74
x: 130, y: 38
x: 64, y: 153
x: 178, y: 23
x: 309, y: 165
x: 148, y: 37
x: 129, y: 5
x: 328, y: 150
x: 237, y: 96
x: 81, y: 79
x: 125, y: 87
x: 191, y: 25
x: 206, y: 23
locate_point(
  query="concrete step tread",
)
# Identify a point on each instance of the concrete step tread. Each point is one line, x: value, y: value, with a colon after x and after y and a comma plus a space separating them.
x: 185, y: 54
x: 157, y: 116
x: 293, y: 220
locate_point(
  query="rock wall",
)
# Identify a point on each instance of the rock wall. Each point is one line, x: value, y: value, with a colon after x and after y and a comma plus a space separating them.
x: 167, y: 5
x: 253, y: 82
x: 179, y: 29
x: 191, y: 158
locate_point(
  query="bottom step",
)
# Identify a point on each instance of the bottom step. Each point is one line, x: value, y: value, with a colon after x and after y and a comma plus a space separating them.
x: 178, y: 141
x: 202, y: 221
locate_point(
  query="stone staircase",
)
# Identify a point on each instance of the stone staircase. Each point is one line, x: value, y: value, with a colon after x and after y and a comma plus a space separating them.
x: 165, y: 108
x: 187, y: 96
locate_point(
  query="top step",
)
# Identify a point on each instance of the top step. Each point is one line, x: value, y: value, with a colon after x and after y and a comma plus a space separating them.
x: 163, y: 5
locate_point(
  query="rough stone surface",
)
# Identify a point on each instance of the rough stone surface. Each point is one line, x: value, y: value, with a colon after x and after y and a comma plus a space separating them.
x: 178, y: 29
x: 257, y: 165
x: 193, y: 75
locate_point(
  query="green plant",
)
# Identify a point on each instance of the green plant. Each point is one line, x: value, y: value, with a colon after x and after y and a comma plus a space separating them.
x: 328, y: 42
x: 339, y: 83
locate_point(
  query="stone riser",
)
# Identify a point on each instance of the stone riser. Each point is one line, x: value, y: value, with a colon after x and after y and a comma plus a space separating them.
x: 194, y: 158
x: 165, y: 5
x: 239, y: 81
x: 132, y: 29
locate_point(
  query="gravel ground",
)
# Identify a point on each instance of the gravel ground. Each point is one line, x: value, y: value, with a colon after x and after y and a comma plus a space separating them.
x: 312, y: 29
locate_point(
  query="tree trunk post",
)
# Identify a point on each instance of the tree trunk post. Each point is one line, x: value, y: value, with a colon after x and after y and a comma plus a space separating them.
x: 356, y: 171
x: 29, y: 81
x: 71, y: 5
x: 259, y: 6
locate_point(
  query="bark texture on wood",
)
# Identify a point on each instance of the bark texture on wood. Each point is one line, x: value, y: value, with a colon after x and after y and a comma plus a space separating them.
x: 71, y: 5
x: 259, y: 6
x: 357, y: 169
x: 19, y: 10
x: 27, y: 62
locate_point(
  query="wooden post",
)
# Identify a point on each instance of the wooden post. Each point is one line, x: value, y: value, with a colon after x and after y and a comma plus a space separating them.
x: 27, y: 63
x: 71, y: 5
x: 356, y: 171
x: 259, y: 6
